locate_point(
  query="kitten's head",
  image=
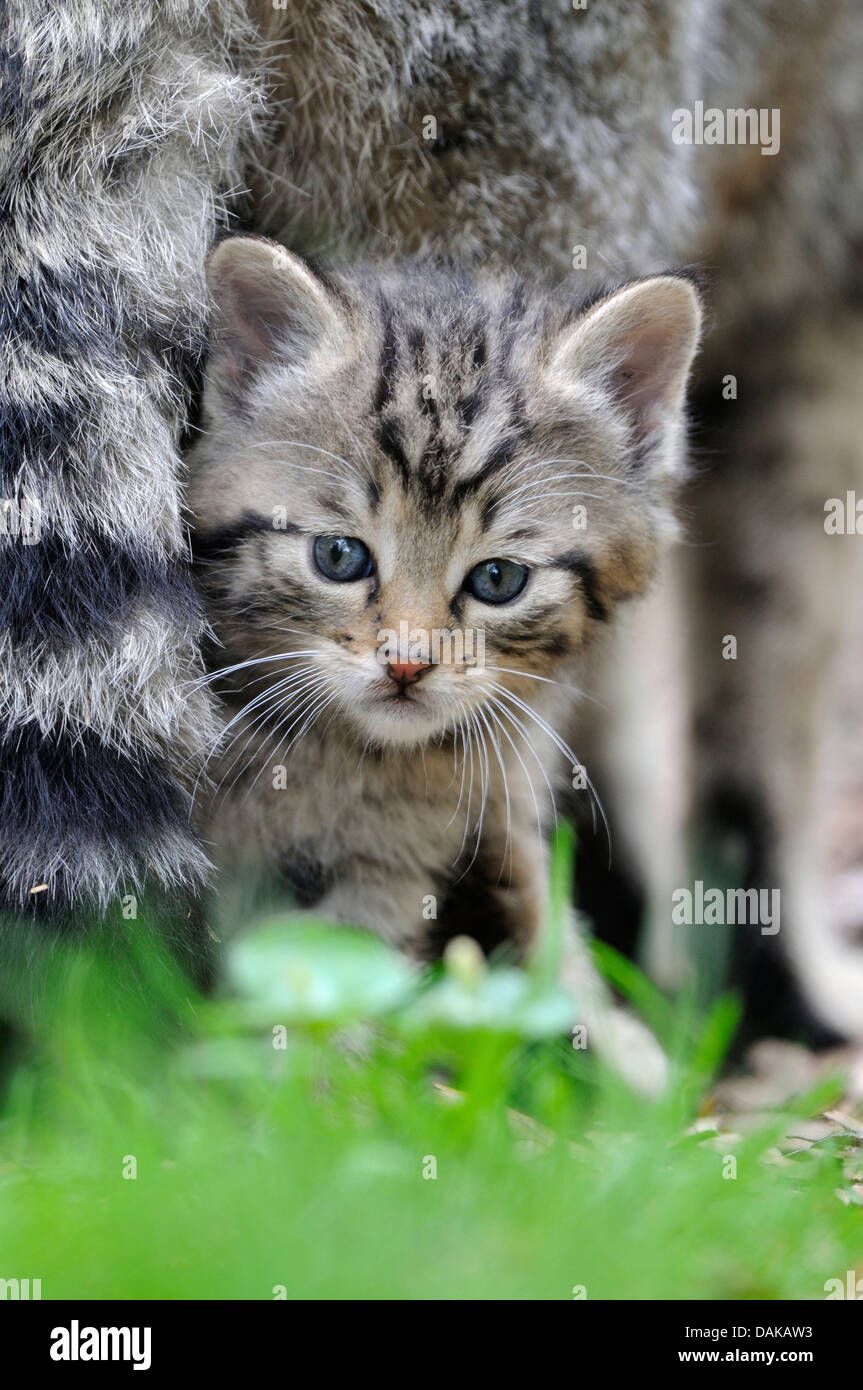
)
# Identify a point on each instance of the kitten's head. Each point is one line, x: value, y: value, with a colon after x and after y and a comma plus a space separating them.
x: 417, y: 492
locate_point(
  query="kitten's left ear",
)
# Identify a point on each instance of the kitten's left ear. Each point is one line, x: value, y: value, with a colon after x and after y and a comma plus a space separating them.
x: 637, y: 346
x: 268, y: 307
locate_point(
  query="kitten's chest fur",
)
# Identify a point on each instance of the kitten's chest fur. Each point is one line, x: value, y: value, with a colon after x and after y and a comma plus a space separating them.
x: 329, y: 795
x: 382, y: 838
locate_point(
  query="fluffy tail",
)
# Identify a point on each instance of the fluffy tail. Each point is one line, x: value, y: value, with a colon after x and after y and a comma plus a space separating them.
x: 122, y: 130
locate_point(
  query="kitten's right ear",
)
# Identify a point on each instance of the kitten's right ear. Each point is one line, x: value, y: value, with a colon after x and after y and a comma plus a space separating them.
x: 637, y: 346
x: 268, y: 307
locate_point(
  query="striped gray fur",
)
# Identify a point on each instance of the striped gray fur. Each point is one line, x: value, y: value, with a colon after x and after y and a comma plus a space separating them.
x: 507, y: 137
x: 124, y: 129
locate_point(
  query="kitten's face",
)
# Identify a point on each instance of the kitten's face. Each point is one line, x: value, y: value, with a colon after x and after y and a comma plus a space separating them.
x: 417, y: 497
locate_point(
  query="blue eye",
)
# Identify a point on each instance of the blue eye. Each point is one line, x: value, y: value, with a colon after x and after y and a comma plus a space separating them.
x: 496, y: 581
x: 343, y: 559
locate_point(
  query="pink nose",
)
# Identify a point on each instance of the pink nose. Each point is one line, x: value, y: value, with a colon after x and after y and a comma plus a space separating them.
x: 406, y: 672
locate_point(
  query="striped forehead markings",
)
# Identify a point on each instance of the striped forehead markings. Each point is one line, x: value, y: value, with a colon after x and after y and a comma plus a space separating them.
x: 431, y: 471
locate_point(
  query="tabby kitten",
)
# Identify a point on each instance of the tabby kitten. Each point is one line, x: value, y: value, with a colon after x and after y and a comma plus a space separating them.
x: 418, y: 496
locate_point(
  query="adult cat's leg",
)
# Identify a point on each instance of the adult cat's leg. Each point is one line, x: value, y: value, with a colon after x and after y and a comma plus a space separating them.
x: 629, y: 733
x: 769, y: 591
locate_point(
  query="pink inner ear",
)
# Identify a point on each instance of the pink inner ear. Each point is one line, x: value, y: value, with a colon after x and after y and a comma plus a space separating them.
x: 268, y: 307
x: 246, y: 340
x: 649, y: 369
x: 261, y: 319
x: 254, y: 315
x: 241, y: 346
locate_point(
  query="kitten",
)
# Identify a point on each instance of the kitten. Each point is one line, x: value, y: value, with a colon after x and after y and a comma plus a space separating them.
x: 418, y: 497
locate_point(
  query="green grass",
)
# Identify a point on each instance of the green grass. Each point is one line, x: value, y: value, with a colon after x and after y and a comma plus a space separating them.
x: 302, y: 1166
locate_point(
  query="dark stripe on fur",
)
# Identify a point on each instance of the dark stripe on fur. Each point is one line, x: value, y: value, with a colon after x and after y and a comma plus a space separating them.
x: 533, y: 632
x: 35, y: 436
x: 208, y: 545
x: 67, y: 313
x: 373, y: 492
x: 469, y: 406
x: 389, y: 358
x: 500, y: 456
x: 64, y: 789
x: 554, y: 644
x: 577, y: 563
x: 57, y: 593
x: 307, y: 878
x: 390, y: 440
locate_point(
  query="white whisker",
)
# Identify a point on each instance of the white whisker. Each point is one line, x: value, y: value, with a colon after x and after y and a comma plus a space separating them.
x: 243, y: 665
x: 507, y: 849
x: 273, y: 702
x: 525, y: 734
x: 497, y: 712
x: 546, y: 680
x: 563, y: 748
